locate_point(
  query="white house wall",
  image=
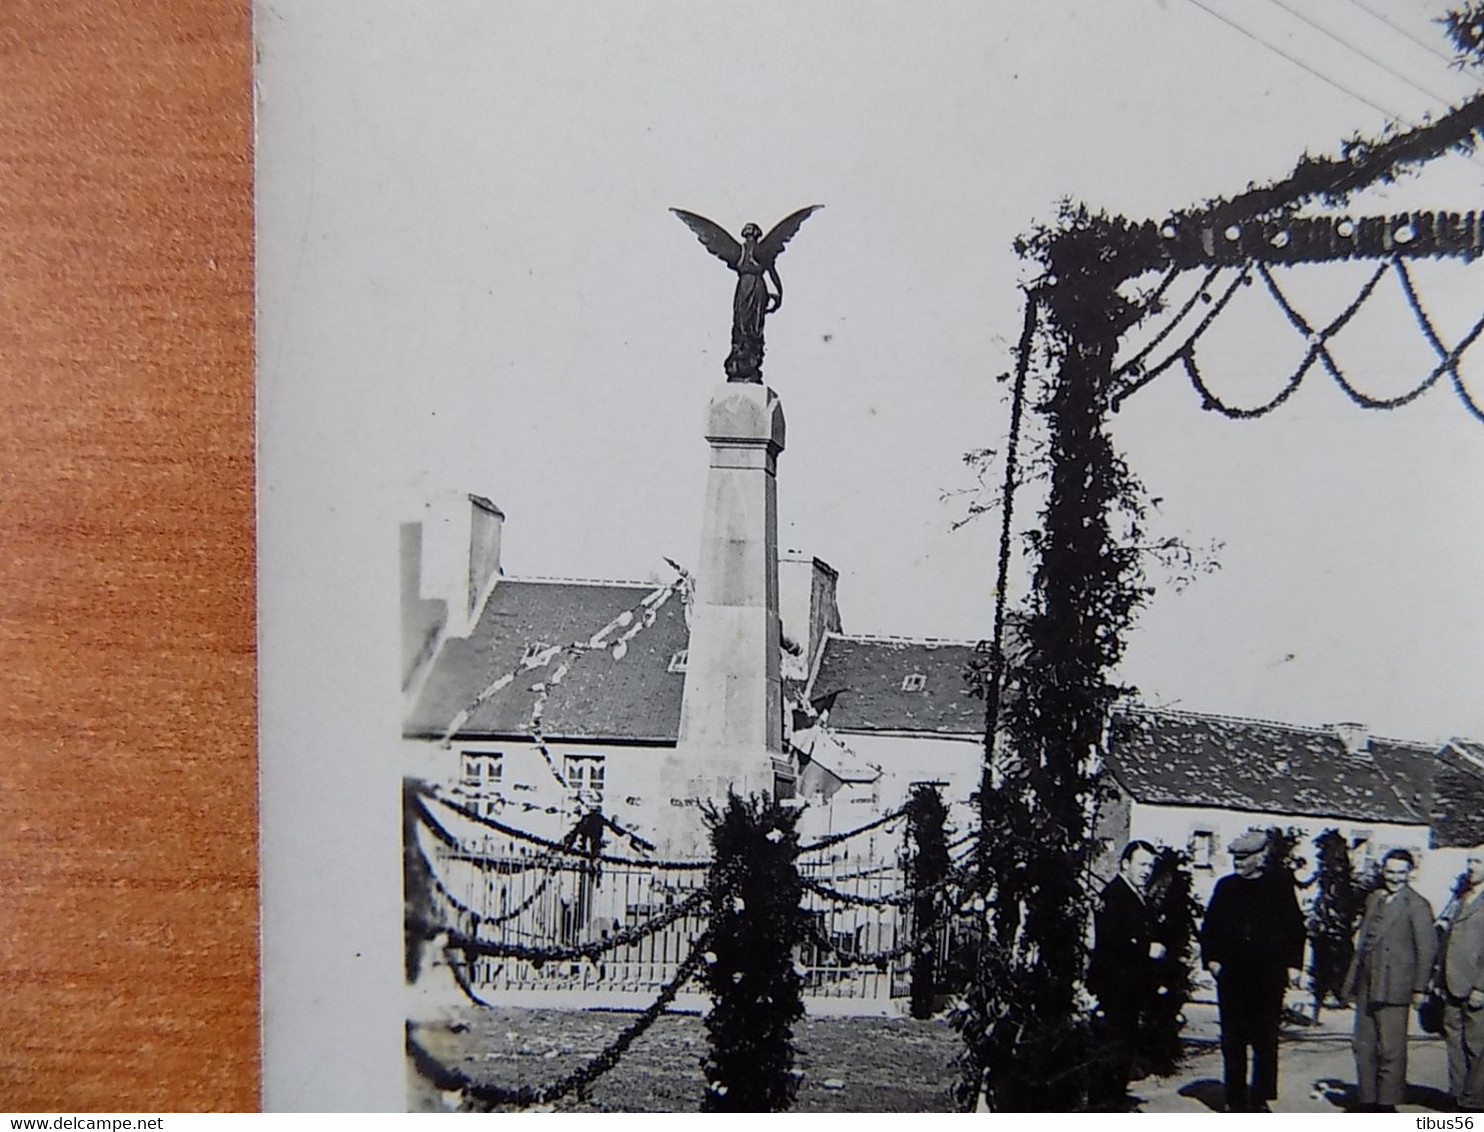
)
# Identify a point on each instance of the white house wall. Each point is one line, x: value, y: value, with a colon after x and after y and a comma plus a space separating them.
x: 908, y: 759
x: 1444, y: 867
x: 1178, y: 826
x: 631, y: 788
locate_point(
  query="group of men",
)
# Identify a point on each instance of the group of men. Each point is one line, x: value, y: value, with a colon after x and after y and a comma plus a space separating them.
x: 1252, y: 942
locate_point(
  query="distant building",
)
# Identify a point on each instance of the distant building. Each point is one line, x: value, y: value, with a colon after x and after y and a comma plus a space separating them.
x: 523, y: 727
x: 1458, y: 808
x: 893, y: 712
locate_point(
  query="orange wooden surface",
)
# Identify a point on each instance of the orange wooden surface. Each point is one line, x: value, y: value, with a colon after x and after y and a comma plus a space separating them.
x: 128, y: 772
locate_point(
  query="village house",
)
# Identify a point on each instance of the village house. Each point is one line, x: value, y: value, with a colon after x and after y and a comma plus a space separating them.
x: 1194, y: 782
x: 521, y: 727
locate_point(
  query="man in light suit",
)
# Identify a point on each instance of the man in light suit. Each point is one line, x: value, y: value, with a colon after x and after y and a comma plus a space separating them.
x: 1461, y: 979
x: 1390, y: 971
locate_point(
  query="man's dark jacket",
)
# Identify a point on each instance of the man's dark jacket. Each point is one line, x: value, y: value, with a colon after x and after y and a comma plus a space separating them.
x: 1254, y: 929
x: 1120, y: 968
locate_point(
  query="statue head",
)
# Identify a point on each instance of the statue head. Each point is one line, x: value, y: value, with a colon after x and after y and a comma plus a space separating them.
x: 751, y: 232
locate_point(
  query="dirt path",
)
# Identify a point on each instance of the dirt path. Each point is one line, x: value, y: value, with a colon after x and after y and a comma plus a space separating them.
x: 861, y: 1064
x: 848, y: 1064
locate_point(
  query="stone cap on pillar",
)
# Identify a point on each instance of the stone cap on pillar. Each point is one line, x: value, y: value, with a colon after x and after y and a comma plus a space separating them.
x: 747, y: 414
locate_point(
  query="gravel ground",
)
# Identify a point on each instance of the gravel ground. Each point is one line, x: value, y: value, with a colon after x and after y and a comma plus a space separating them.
x: 862, y: 1064
x: 848, y: 1064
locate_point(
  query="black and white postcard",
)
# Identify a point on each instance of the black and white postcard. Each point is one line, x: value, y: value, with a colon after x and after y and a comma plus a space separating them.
x: 686, y: 430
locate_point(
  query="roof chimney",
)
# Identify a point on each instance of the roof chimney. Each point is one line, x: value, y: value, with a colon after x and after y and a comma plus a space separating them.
x: 423, y: 619
x: 460, y: 554
x: 806, y: 602
x: 1355, y: 736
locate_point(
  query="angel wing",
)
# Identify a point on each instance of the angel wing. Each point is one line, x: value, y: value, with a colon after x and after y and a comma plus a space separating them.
x: 771, y: 245
x: 714, y: 237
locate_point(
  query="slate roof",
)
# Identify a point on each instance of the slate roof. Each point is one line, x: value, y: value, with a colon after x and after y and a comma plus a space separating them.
x: 1185, y: 759
x: 865, y: 676
x: 1458, y: 801
x: 634, y: 698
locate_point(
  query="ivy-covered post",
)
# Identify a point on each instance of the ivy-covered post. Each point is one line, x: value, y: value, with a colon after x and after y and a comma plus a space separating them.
x: 756, y: 925
x: 1332, y: 923
x: 1173, y: 914
x: 927, y: 818
x: 1026, y: 1044
x: 419, y: 924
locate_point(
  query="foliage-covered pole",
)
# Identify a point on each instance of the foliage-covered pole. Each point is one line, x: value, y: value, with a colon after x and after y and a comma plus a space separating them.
x: 927, y: 817
x: 1174, y: 912
x: 1025, y: 1048
x: 756, y: 924
x: 1336, y: 913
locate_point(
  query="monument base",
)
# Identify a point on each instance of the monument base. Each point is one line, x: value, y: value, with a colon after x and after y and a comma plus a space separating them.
x: 694, y: 779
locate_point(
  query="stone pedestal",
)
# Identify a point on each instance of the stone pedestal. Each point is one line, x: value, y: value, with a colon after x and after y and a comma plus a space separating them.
x: 731, y: 717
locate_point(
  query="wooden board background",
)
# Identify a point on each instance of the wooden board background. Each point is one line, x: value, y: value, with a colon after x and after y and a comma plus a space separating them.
x: 128, y: 771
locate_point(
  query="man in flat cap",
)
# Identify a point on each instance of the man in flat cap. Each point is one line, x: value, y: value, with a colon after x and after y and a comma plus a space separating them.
x: 1252, y: 937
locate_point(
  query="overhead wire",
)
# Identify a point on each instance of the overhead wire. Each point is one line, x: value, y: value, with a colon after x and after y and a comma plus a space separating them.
x: 1422, y: 43
x: 1366, y: 55
x: 1297, y: 62
x: 1372, y: 59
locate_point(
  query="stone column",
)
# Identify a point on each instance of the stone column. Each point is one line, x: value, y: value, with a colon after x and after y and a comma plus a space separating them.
x: 731, y: 717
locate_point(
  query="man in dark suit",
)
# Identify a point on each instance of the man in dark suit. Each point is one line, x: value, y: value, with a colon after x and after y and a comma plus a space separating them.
x: 1121, y: 972
x: 1393, y: 962
x: 1461, y: 979
x: 1252, y: 938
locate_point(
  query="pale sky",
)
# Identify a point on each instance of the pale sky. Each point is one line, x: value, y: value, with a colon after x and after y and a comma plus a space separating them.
x: 469, y: 279
x: 481, y: 289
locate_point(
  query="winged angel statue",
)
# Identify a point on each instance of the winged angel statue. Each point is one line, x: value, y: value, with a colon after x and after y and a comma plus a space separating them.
x: 752, y: 302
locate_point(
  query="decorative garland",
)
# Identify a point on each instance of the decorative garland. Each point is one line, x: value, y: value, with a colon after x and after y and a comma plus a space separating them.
x: 454, y: 1080
x: 1186, y: 348
x: 425, y: 791
x: 1136, y: 363
x: 837, y: 838
x: 890, y: 900
x: 912, y: 945
x: 503, y: 866
x: 1449, y: 357
x: 478, y: 919
x: 902, y: 899
x: 471, y: 946
x: 1318, y: 349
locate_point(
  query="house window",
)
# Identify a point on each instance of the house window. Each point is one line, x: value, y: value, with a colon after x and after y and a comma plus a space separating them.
x: 678, y: 661
x: 482, y: 772
x: 1202, y: 848
x: 585, y: 775
x: 915, y: 682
